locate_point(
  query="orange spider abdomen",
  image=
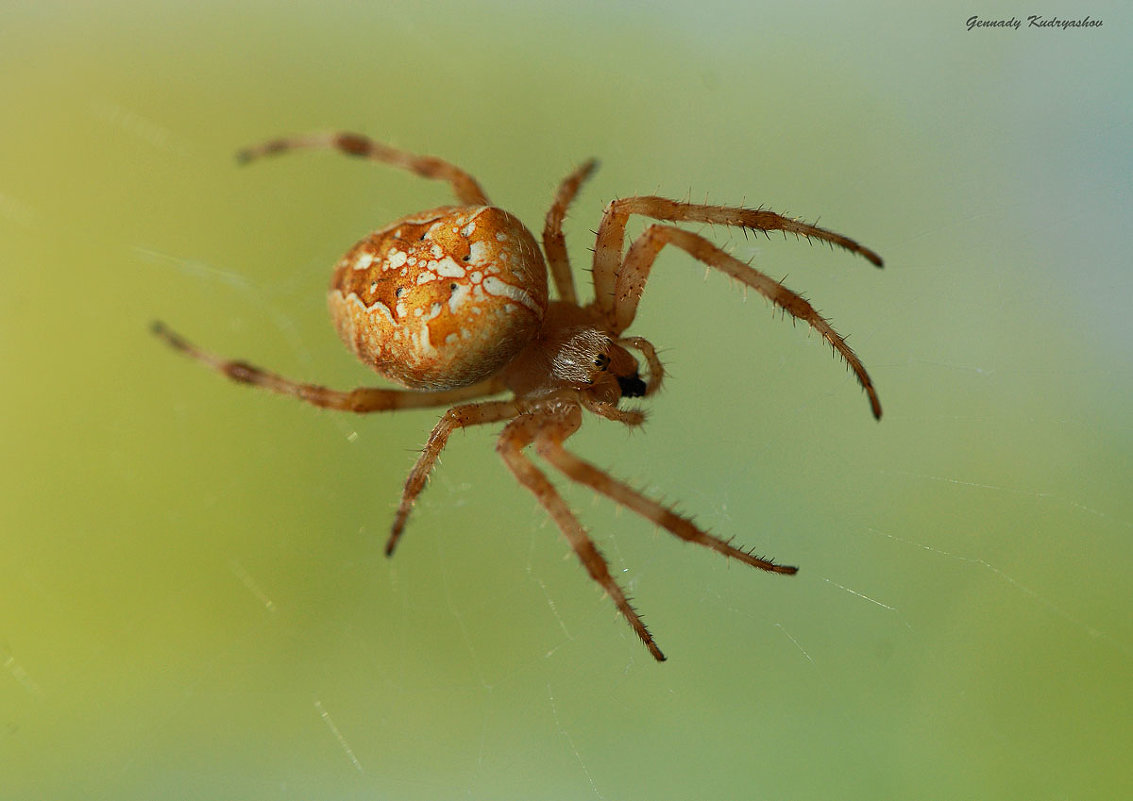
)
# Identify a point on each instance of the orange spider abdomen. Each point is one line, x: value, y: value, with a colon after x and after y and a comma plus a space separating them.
x: 443, y: 298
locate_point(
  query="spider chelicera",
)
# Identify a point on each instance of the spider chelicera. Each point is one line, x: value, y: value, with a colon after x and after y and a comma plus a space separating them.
x: 452, y: 304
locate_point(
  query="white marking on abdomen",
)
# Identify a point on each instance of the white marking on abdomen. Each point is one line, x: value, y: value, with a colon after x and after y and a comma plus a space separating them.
x: 494, y: 286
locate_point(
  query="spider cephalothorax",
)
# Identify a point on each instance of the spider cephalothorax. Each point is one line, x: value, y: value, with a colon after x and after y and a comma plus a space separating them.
x: 452, y: 304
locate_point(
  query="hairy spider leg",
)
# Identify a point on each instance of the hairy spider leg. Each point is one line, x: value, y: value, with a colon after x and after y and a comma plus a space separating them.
x: 549, y: 445
x: 554, y: 243
x: 362, y: 400
x: 639, y: 260
x: 465, y: 187
x: 611, y: 235
x: 471, y: 414
x: 611, y: 232
x: 560, y: 422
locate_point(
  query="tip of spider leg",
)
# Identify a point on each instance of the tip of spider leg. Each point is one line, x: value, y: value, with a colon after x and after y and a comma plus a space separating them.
x: 391, y: 543
x: 159, y: 329
x: 654, y: 651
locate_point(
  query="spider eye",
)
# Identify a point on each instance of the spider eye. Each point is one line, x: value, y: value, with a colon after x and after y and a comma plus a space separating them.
x: 601, y: 361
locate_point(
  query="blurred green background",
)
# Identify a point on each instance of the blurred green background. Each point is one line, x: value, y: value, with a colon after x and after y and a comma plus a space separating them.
x: 193, y: 598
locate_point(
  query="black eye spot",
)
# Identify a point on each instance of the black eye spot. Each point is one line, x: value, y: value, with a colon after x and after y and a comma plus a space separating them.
x: 452, y: 287
x: 466, y: 257
x: 399, y: 292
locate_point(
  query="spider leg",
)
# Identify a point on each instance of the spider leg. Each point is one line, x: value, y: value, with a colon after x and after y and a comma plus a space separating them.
x: 517, y: 435
x: 639, y: 260
x: 463, y: 185
x: 361, y: 400
x: 471, y: 414
x: 550, y: 447
x: 611, y: 234
x: 554, y: 243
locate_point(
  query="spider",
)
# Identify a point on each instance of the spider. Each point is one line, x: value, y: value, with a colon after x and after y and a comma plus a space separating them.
x: 452, y: 304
